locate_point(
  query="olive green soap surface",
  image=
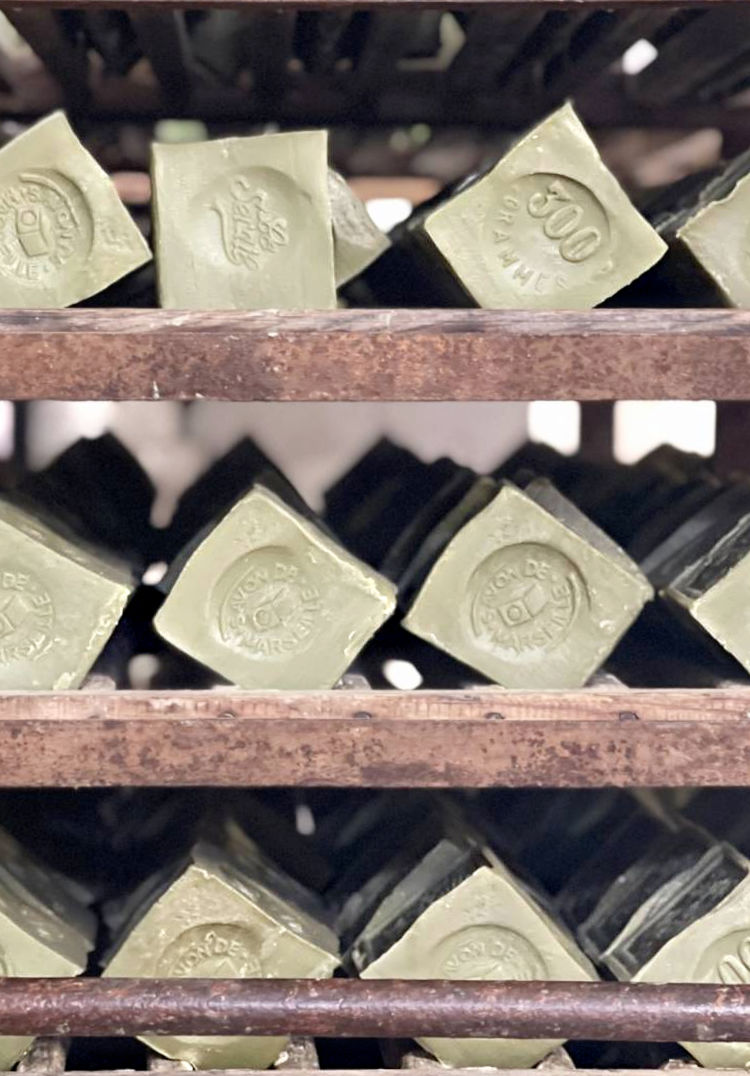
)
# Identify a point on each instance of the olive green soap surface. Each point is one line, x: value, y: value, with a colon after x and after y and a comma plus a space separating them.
x: 718, y: 237
x: 207, y: 924
x: 64, y: 233
x: 548, y: 227
x: 487, y: 927
x: 524, y: 599
x: 59, y: 603
x: 269, y: 601
x: 711, y: 591
x: 244, y: 223
x: 713, y: 949
x: 34, y: 942
x: 357, y: 240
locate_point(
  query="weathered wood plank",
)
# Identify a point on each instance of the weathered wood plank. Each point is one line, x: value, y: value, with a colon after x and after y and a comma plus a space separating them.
x: 378, y: 739
x: 375, y: 354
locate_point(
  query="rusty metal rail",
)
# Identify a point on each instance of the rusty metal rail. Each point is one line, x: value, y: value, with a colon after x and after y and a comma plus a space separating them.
x: 392, y: 1009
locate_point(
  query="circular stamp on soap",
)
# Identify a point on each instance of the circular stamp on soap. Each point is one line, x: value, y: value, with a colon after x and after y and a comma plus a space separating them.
x: 252, y: 215
x: 212, y: 951
x: 726, y: 960
x: 45, y: 225
x: 548, y: 234
x: 488, y: 952
x: 267, y: 606
x: 27, y: 616
x: 522, y: 600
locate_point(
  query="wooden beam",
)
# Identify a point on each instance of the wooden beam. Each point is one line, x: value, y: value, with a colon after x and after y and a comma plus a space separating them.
x: 104, y: 354
x: 387, y: 739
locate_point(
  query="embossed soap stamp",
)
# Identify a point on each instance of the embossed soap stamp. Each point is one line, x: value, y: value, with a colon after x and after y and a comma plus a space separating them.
x: 27, y: 616
x: 212, y: 951
x: 45, y: 222
x: 546, y: 227
x: 727, y: 960
x: 267, y: 605
x: 253, y: 227
x: 489, y: 952
x: 522, y: 600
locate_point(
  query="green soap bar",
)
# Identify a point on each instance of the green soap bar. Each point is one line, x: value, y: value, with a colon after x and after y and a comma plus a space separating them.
x: 215, y: 919
x: 716, y: 236
x: 529, y: 598
x: 244, y: 223
x: 268, y: 600
x: 34, y: 941
x: 59, y: 603
x: 489, y: 926
x: 64, y: 233
x: 714, y: 948
x: 357, y: 240
x: 711, y: 591
x: 40, y: 885
x: 548, y: 227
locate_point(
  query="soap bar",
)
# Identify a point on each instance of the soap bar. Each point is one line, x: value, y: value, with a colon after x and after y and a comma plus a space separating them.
x: 610, y: 857
x: 549, y: 227
x: 217, y: 489
x: 64, y: 233
x: 694, y: 929
x: 460, y: 914
x: 529, y: 592
x: 35, y: 940
x: 357, y: 240
x: 371, y: 505
x: 675, y: 849
x: 707, y: 590
x: 270, y: 601
x: 213, y: 916
x: 99, y: 488
x: 45, y: 888
x: 715, y: 236
x: 244, y: 223
x: 59, y: 603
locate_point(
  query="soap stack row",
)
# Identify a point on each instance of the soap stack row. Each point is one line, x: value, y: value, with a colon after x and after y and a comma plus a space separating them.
x: 263, y: 222
x: 535, y: 886
x: 539, y: 575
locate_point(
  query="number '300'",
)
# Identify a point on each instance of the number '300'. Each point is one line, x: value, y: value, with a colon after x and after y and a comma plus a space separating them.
x: 562, y: 216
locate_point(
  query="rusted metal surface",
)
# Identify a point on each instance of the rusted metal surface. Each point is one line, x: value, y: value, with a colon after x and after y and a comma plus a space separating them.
x: 377, y: 739
x: 375, y: 354
x: 356, y: 1008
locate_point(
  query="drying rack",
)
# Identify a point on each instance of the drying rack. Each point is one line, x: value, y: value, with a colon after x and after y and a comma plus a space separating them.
x: 469, y: 738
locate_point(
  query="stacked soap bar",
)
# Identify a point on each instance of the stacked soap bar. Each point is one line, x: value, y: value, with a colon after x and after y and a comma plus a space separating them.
x: 511, y: 579
x: 547, y: 227
x: 64, y: 233
x: 676, y: 910
x: 60, y: 600
x: 540, y: 574
x: 46, y: 927
x: 263, y: 222
x: 702, y: 219
x: 238, y: 223
x: 689, y: 533
x: 443, y: 906
x: 221, y: 910
x: 262, y: 593
x: 241, y: 223
x: 506, y: 885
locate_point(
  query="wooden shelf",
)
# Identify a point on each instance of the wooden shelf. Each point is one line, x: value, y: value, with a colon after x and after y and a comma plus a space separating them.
x: 375, y: 354
x: 479, y: 738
